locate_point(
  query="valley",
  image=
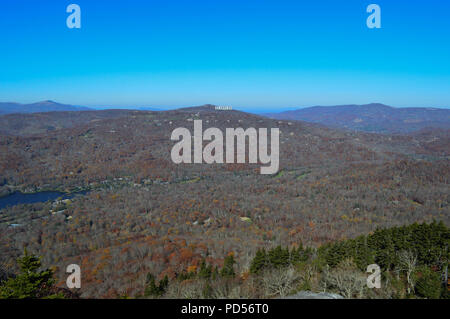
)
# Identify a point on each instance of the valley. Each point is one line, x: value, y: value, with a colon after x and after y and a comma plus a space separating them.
x: 144, y: 213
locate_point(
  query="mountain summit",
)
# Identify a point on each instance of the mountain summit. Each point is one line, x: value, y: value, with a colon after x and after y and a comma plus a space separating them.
x: 43, y: 106
x: 374, y: 117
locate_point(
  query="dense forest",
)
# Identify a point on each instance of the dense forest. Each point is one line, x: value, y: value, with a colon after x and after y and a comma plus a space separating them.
x: 147, y: 223
x: 414, y: 261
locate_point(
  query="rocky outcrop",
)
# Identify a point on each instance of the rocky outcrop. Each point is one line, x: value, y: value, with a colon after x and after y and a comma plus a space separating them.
x: 313, y: 295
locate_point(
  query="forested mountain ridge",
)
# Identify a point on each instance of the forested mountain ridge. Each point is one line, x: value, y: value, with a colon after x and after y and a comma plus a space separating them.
x: 18, y: 124
x: 145, y: 214
x: 375, y: 117
x: 44, y: 106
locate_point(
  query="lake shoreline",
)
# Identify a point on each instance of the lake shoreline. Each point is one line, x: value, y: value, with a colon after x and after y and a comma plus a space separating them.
x: 18, y: 197
x: 10, y: 190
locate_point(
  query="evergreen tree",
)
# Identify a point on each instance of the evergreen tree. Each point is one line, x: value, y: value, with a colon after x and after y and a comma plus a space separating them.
x: 428, y: 283
x: 163, y: 284
x: 299, y: 254
x: 30, y: 283
x: 279, y: 257
x: 151, y: 288
x: 363, y: 255
x: 228, y: 267
x: 205, y: 271
x: 259, y: 262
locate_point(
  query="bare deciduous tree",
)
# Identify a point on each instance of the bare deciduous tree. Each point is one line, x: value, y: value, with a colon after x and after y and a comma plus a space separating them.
x: 347, y: 279
x: 408, y: 264
x: 279, y: 282
x: 185, y: 290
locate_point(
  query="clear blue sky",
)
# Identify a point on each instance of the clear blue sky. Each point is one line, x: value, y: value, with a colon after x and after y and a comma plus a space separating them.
x: 242, y: 53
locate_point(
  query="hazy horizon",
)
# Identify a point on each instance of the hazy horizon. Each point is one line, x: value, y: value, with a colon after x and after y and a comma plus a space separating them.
x: 250, y: 109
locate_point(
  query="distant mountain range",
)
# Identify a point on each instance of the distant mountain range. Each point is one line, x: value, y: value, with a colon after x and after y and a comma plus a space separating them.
x: 374, y: 117
x: 44, y: 106
x: 51, y: 106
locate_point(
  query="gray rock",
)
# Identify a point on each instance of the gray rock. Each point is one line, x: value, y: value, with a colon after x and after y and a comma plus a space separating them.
x: 313, y: 295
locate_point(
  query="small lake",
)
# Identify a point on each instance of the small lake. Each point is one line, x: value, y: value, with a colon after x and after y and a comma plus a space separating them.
x: 20, y: 198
